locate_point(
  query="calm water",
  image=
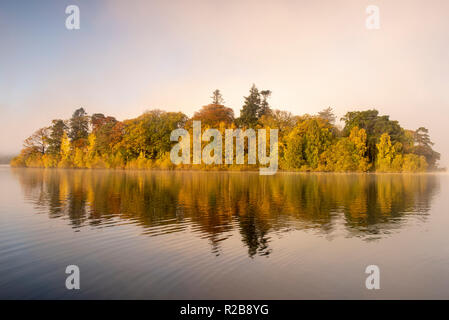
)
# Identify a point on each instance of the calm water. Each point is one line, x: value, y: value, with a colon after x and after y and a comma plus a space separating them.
x: 208, y: 235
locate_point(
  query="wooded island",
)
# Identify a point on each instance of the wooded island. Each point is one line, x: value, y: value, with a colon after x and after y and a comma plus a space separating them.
x: 367, y: 142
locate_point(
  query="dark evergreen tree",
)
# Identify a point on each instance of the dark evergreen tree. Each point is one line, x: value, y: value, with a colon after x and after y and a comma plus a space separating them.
x: 79, y: 125
x: 374, y: 126
x: 423, y: 147
x: 57, y: 130
x: 217, y: 98
x: 250, y: 110
x: 264, y: 109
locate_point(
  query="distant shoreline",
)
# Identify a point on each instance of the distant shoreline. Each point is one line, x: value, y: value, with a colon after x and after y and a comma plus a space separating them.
x: 6, y: 160
x: 246, y: 170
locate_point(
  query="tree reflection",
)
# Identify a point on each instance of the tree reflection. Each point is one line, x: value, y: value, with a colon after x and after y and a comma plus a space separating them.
x: 215, y: 204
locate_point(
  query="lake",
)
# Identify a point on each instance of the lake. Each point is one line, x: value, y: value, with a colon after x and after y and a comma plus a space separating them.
x: 222, y: 235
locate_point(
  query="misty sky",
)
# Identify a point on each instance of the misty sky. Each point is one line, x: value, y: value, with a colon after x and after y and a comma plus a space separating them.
x: 131, y: 56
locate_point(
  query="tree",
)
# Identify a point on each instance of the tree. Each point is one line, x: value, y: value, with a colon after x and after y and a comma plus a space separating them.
x: 104, y: 129
x: 98, y: 120
x: 422, y: 137
x: 66, y: 152
x: 414, y: 163
x: 374, y: 126
x: 386, y: 154
x: 284, y: 121
x: 37, y: 142
x: 105, y: 137
x: 307, y: 141
x: 213, y: 114
x: 264, y: 109
x: 408, y: 143
x: 348, y: 154
x: 277, y: 119
x: 57, y: 130
x: 339, y: 157
x: 358, y: 138
x: 217, y: 98
x: 79, y: 127
x: 327, y: 114
x: 423, y: 147
x: 148, y: 136
x: 250, y: 110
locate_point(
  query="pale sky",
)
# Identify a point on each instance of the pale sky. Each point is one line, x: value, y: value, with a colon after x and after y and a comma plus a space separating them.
x: 131, y: 56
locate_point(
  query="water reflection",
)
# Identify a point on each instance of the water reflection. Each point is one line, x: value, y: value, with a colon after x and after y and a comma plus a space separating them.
x: 214, y: 204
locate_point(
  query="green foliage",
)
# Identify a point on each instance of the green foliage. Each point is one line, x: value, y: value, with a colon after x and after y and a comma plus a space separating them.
x: 374, y: 126
x: 57, y: 130
x: 348, y: 154
x: 254, y: 107
x: 423, y: 147
x: 264, y: 109
x: 307, y: 141
x: 79, y: 127
x: 149, y: 134
x: 390, y: 160
x: 250, y: 109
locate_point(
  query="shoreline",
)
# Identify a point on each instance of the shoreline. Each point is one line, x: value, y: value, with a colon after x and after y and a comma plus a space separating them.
x: 230, y: 171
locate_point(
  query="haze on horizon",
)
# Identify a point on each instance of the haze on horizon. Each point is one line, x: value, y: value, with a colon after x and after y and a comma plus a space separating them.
x: 132, y: 56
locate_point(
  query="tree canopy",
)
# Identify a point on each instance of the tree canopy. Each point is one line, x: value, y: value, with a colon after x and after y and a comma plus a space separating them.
x: 368, y: 141
x: 214, y: 114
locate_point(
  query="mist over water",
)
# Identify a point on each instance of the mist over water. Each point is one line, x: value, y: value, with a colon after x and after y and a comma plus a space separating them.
x: 140, y: 234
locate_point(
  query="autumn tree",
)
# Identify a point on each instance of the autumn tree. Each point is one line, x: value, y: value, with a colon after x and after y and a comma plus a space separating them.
x: 309, y: 143
x: 149, y: 134
x: 360, y: 157
x: 278, y: 119
x: 66, y: 152
x: 348, y: 154
x: 284, y: 121
x: 98, y: 120
x: 386, y: 153
x: 104, y: 129
x: 374, y: 126
x: 306, y: 142
x: 37, y: 142
x: 213, y: 114
x: 414, y: 163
